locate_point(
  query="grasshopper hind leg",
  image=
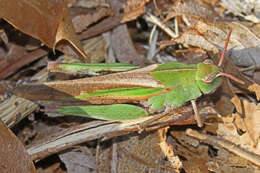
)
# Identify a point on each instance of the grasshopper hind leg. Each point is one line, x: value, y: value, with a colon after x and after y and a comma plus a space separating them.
x: 155, y: 117
x: 169, y: 110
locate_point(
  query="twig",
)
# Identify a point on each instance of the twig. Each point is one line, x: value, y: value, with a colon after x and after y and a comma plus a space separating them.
x: 95, y: 130
x: 152, y: 43
x: 155, y: 20
x: 196, y: 113
x: 19, y: 62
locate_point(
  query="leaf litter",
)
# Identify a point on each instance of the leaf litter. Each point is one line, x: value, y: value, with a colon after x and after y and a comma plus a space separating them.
x: 120, y: 33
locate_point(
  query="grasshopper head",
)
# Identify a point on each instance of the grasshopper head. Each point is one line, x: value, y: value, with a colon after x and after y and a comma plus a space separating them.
x: 211, y: 71
x: 207, y: 76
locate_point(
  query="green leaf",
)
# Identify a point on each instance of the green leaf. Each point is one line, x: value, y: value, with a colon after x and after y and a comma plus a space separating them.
x: 104, y: 112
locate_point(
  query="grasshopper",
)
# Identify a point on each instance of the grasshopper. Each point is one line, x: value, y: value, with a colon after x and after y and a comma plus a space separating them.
x: 116, y: 96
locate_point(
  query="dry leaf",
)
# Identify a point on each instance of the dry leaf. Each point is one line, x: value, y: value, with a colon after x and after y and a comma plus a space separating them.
x: 48, y: 21
x: 133, y: 9
x: 255, y: 88
x: 85, y: 18
x: 90, y: 4
x: 249, y: 9
x: 167, y: 149
x: 3, y: 36
x: 13, y: 109
x: 96, y: 48
x: 65, y: 31
x: 55, y: 167
x: 40, y: 19
x: 193, y: 38
x: 229, y: 132
x: 191, y: 8
x: 79, y: 160
x: 243, y: 45
x: 251, y: 113
x: 240, y: 123
x: 123, y: 46
x: 14, y: 158
x: 134, y: 153
x: 220, y: 154
x: 252, y: 120
x: 194, y: 156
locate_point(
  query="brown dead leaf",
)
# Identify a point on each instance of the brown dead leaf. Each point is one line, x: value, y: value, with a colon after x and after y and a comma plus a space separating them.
x: 249, y: 9
x: 15, y: 60
x: 251, y: 112
x: 191, y: 8
x: 194, y: 38
x: 229, y: 132
x: 134, y: 153
x: 237, y: 102
x: 14, y: 158
x: 252, y: 120
x: 240, y: 123
x: 193, y: 159
x: 3, y: 36
x: 123, y: 11
x: 13, y: 109
x: 256, y: 89
x: 96, y: 48
x: 243, y: 45
x: 83, y: 18
x: 134, y: 9
x: 220, y: 154
x: 54, y: 168
x: 45, y: 21
x: 80, y: 160
x: 123, y: 46
x: 167, y: 149
x: 65, y: 31
x: 48, y: 21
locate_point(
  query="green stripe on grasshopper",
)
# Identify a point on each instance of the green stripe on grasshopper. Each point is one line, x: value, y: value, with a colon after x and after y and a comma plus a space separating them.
x: 123, y: 93
x: 118, y: 112
x: 81, y: 67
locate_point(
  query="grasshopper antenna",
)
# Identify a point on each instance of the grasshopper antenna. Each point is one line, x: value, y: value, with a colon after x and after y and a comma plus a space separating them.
x: 222, y: 59
x: 225, y: 49
x: 230, y: 77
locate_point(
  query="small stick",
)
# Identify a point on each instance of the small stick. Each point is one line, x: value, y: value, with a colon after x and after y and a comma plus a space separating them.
x: 155, y: 20
x: 225, y: 144
x: 196, y: 113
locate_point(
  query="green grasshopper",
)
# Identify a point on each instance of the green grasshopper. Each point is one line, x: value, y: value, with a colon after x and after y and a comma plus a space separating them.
x: 116, y: 96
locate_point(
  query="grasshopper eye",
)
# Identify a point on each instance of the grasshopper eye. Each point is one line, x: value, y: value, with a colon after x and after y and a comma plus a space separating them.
x: 208, y: 61
x: 209, y: 78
